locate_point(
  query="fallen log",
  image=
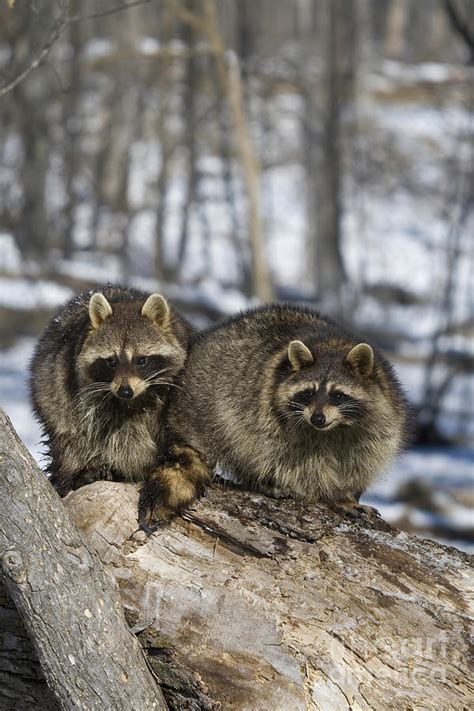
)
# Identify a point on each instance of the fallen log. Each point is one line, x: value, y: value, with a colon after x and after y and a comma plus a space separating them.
x: 245, y: 602
x: 71, y: 617
x: 284, y: 606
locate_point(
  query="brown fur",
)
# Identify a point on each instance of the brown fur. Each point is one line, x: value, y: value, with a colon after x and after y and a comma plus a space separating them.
x: 90, y: 353
x: 239, y: 408
x: 174, y: 484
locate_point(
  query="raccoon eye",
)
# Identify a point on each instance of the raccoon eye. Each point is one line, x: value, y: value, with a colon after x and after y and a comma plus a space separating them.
x: 306, y: 395
x: 141, y: 361
x: 112, y: 362
x: 337, y: 397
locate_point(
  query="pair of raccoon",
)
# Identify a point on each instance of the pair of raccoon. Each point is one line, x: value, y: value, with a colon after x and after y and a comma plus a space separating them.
x: 279, y: 396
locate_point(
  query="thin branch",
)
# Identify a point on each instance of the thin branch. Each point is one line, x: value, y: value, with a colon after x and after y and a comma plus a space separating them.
x: 60, y: 26
x: 460, y: 26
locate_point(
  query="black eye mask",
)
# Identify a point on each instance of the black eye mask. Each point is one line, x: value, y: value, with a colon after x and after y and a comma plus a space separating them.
x: 303, y: 397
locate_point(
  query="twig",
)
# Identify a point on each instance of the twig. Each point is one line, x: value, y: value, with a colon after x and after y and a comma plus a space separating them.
x: 60, y: 26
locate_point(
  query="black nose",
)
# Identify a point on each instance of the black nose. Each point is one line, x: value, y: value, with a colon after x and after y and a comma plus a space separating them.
x: 318, y: 419
x: 125, y: 392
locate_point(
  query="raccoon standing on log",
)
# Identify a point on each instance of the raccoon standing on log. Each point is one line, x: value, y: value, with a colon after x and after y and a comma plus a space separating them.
x: 283, y: 398
x: 100, y: 381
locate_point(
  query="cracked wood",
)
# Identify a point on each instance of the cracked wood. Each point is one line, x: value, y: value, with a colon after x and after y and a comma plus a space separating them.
x: 280, y: 605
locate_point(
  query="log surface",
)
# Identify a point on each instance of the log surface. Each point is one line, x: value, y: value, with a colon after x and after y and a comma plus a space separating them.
x: 68, y: 603
x: 280, y: 606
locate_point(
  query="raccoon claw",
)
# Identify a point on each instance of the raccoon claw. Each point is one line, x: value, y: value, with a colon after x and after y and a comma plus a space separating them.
x: 151, y: 512
x: 155, y: 520
x: 274, y: 492
x: 101, y: 474
x: 146, y: 528
x: 358, y: 511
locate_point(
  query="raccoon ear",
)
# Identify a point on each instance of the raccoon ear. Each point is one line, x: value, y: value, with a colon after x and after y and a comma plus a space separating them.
x: 156, y: 309
x: 299, y: 355
x: 99, y: 309
x: 361, y: 359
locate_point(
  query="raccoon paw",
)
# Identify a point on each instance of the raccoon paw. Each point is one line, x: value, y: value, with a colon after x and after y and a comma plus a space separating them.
x: 152, y: 512
x: 274, y: 492
x: 358, y: 511
x: 92, y: 475
x: 61, y: 483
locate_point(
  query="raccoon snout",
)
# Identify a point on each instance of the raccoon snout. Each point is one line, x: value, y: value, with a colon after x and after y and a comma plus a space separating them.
x: 318, y: 419
x: 125, y: 392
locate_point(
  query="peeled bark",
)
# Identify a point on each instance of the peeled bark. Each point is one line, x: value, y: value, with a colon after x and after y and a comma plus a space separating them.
x: 284, y: 606
x: 68, y: 604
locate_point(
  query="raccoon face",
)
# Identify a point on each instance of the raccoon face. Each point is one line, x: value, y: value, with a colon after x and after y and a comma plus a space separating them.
x: 130, y: 351
x: 325, y: 406
x: 327, y: 391
x: 127, y: 374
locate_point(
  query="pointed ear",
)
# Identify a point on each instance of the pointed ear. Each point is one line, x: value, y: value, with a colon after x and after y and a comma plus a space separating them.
x: 156, y: 309
x: 99, y: 309
x: 361, y: 359
x: 299, y: 355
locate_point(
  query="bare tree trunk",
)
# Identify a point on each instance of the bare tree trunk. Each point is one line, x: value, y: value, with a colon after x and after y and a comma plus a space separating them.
x: 70, y: 610
x: 72, y: 134
x: 283, y: 606
x: 229, y: 78
x: 32, y: 226
x: 190, y: 90
x: 229, y: 73
x: 459, y: 21
x: 236, y: 238
x: 162, y: 269
x: 27, y: 116
x: 395, y: 29
x: 323, y: 156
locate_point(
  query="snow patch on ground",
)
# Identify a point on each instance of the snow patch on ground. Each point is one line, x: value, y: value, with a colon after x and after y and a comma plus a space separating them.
x: 32, y: 294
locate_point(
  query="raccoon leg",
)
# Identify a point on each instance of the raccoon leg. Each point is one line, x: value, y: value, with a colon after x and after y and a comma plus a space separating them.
x: 351, y: 506
x: 172, y: 485
x: 103, y: 473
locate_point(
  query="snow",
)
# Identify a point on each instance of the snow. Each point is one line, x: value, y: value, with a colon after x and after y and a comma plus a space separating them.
x: 105, y: 268
x: 14, y: 394
x: 434, y: 72
x: 442, y: 472
x: 98, y: 48
x: 10, y: 257
x: 32, y: 294
x: 148, y: 45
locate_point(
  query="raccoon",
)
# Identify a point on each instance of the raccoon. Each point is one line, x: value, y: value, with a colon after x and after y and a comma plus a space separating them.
x: 282, y: 398
x: 100, y: 380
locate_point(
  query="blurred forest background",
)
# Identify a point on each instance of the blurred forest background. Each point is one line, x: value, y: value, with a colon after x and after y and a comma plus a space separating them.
x: 228, y: 152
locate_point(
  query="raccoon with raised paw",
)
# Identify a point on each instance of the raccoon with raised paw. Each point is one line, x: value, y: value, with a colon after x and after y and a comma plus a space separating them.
x: 283, y: 398
x: 100, y: 381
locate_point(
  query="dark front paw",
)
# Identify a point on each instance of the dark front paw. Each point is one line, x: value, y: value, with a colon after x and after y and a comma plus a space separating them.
x: 356, y: 510
x: 152, y: 513
x: 89, y: 476
x: 62, y: 483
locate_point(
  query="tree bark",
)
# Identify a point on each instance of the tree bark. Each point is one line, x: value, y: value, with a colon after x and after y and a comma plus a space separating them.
x: 284, y: 606
x: 22, y: 683
x: 67, y: 602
